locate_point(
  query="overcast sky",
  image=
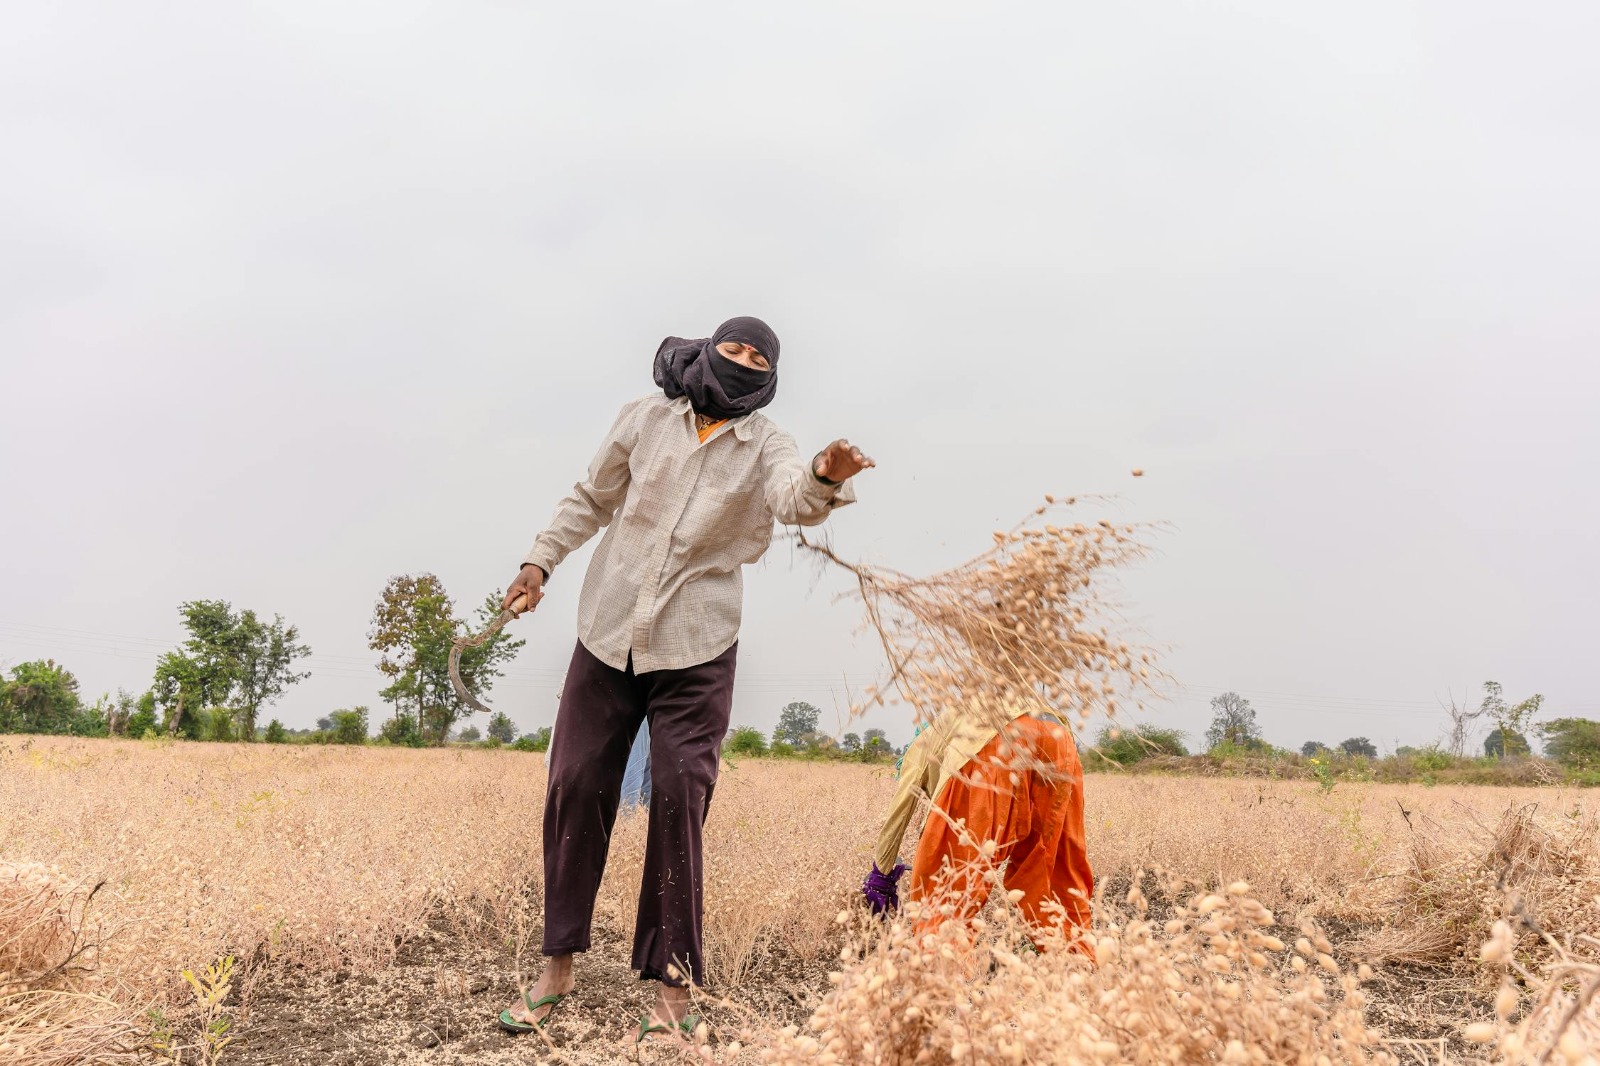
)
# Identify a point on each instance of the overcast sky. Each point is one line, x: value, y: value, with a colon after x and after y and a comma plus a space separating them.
x: 294, y: 297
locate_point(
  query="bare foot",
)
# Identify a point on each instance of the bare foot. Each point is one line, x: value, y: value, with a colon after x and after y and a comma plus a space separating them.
x: 671, y: 1007
x: 556, y: 980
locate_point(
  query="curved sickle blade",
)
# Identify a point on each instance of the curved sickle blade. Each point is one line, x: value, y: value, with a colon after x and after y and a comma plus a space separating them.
x: 460, y: 644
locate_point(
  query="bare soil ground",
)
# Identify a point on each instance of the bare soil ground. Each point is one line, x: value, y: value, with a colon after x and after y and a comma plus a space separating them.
x: 437, y: 1005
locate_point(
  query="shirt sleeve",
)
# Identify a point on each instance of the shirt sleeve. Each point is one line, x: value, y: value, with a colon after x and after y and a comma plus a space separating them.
x: 794, y: 494
x: 592, y: 501
x: 915, y: 771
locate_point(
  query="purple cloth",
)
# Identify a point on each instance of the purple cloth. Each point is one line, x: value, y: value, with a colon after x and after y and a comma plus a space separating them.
x: 715, y: 384
x: 881, y: 889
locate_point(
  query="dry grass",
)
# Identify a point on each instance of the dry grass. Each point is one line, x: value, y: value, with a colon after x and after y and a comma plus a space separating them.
x: 52, y: 1011
x: 334, y: 857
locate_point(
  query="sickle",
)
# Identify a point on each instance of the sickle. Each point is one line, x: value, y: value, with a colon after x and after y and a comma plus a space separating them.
x: 460, y: 644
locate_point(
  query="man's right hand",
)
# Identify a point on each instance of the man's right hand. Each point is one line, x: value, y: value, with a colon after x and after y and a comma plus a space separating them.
x: 529, y: 582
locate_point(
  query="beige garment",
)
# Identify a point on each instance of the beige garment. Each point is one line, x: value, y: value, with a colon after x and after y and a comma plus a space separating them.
x: 682, y: 518
x: 939, y: 751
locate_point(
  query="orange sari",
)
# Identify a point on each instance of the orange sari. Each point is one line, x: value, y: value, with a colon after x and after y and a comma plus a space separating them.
x: 1035, y: 816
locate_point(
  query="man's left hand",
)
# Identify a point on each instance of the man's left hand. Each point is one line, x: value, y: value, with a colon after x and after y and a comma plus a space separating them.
x: 840, y: 461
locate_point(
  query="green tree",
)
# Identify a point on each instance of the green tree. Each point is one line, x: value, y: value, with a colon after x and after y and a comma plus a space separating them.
x: 229, y: 660
x: 502, y: 728
x: 176, y: 691
x: 276, y: 734
x: 263, y: 657
x: 875, y: 744
x: 1501, y: 743
x: 1233, y: 722
x: 1311, y: 747
x: 39, y: 697
x: 1512, y: 720
x: 143, y: 720
x: 1573, y: 742
x: 797, y: 724
x: 210, y: 649
x: 1359, y: 746
x: 469, y: 735
x: 850, y: 743
x: 119, y: 712
x: 413, y: 625
x: 746, y: 740
x: 349, y: 727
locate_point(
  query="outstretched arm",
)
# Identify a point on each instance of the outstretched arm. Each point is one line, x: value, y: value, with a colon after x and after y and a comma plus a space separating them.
x: 804, y: 494
x: 589, y: 506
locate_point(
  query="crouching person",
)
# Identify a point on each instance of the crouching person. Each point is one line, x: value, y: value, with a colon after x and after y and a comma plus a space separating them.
x: 1007, y: 789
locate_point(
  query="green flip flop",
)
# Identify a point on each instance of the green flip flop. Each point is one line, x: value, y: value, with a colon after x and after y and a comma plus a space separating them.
x: 512, y: 1025
x: 685, y: 1025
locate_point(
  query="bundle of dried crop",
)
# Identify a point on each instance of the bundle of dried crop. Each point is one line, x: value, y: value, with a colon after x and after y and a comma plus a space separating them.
x: 1454, y: 888
x: 1031, y: 623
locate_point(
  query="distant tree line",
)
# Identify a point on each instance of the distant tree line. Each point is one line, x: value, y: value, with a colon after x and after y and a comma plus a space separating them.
x: 1573, y: 744
x: 798, y: 736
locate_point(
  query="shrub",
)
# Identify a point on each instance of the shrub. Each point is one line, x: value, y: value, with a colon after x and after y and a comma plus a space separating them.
x: 1127, y: 746
x: 781, y: 750
x: 875, y: 746
x: 349, y: 727
x: 747, y: 740
x: 402, y: 732
x: 218, y: 724
x: 1432, y: 758
x: 1253, y: 748
x: 276, y: 734
x: 538, y: 740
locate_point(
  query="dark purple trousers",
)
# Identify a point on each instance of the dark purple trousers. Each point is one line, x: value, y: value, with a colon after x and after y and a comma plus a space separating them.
x: 601, y: 711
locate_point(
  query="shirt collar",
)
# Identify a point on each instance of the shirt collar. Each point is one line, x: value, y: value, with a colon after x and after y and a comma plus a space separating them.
x: 743, y: 426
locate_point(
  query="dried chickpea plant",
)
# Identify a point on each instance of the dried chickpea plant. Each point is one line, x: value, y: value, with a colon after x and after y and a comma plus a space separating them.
x: 1031, y: 623
x: 1210, y: 983
x: 55, y: 1009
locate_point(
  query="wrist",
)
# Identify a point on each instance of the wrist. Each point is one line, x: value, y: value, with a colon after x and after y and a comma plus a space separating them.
x: 818, y: 475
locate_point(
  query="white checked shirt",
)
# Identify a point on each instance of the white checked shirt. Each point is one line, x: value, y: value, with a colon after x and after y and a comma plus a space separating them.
x: 682, y: 518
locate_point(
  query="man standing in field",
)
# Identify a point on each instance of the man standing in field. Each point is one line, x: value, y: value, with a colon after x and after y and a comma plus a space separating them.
x: 687, y: 483
x: 1003, y: 791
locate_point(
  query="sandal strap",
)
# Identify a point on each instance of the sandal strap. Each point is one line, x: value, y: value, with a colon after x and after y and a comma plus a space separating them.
x: 686, y: 1025
x: 543, y: 1001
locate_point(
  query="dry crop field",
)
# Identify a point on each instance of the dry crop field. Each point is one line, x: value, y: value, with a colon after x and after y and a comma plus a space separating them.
x: 376, y: 903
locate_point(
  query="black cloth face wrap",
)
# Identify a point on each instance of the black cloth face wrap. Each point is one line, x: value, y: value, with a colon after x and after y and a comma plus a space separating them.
x: 717, y: 386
